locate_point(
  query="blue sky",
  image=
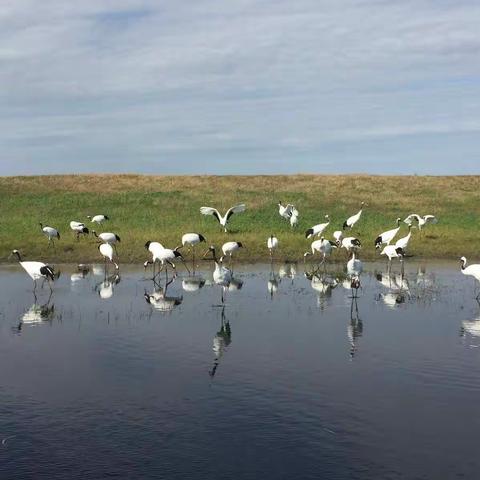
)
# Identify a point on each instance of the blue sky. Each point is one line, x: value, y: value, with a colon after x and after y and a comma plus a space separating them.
x: 240, y: 86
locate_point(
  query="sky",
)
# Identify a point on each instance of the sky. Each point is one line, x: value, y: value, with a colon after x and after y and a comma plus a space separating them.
x: 240, y: 86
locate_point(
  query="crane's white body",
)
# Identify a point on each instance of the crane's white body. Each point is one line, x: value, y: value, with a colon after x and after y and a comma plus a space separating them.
x: 391, y: 251
x: 35, y: 270
x: 78, y: 228
x: 192, y: 239
x: 351, y: 244
x: 106, y: 250
x: 50, y: 232
x: 322, y: 246
x: 351, y: 221
x: 338, y: 236
x: 285, y: 211
x: 294, y: 218
x: 223, y: 220
x: 470, y: 270
x: 107, y: 237
x: 98, y: 218
x: 317, y: 229
x: 229, y: 247
x: 272, y: 243
x: 388, y: 236
x: 354, y: 266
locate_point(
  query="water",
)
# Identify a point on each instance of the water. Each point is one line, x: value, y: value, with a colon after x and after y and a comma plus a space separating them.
x: 291, y: 379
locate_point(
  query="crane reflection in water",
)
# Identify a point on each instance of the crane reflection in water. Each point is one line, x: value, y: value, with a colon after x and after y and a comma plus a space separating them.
x: 221, y: 341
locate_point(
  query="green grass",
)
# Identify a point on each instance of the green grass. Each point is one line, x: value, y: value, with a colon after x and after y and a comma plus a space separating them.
x: 163, y: 208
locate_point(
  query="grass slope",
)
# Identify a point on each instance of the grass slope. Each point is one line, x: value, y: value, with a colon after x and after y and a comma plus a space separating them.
x: 163, y: 207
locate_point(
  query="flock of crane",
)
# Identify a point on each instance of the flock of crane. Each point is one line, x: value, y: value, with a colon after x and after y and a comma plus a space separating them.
x: 222, y: 275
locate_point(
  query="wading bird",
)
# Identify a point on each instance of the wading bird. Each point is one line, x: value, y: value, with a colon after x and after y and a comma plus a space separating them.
x: 388, y: 236
x: 191, y: 240
x: 391, y: 251
x: 351, y: 221
x: 106, y: 250
x: 317, y: 229
x: 223, y: 221
x: 36, y: 270
x: 354, y: 270
x: 471, y: 270
x: 338, y: 236
x: 322, y: 246
x: 351, y: 244
x: 98, y: 218
x: 229, y: 247
x: 79, y: 228
x: 221, y: 275
x: 108, y: 237
x: 165, y: 256
x: 50, y: 233
x: 272, y: 244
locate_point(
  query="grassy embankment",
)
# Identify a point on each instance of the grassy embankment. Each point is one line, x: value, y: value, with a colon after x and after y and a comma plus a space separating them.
x: 162, y: 208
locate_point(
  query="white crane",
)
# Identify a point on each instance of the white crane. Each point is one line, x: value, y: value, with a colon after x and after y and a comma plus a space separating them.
x: 323, y: 246
x: 354, y: 270
x: 338, y: 236
x: 108, y: 237
x: 351, y: 244
x: 221, y: 275
x: 388, y: 236
x: 422, y: 221
x: 191, y: 240
x: 50, y: 233
x: 351, y: 221
x: 79, y: 228
x: 391, y: 251
x: 229, y: 247
x: 294, y: 218
x: 223, y: 221
x: 272, y: 244
x: 285, y: 211
x: 404, y: 241
x: 317, y: 229
x: 36, y: 270
x: 106, y: 250
x: 471, y: 270
x: 98, y: 218
x: 165, y: 256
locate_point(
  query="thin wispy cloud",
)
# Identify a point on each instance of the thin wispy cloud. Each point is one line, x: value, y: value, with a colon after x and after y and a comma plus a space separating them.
x: 239, y: 87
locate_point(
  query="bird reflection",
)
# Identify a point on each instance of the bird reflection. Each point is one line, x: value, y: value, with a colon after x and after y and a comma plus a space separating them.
x: 355, y: 328
x: 471, y: 328
x: 323, y: 284
x: 398, y: 286
x: 193, y: 283
x: 159, y: 300
x: 221, y: 341
x: 105, y: 289
x: 287, y: 270
x: 37, y: 314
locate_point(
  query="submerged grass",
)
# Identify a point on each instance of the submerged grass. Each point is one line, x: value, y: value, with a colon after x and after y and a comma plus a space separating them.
x: 164, y: 207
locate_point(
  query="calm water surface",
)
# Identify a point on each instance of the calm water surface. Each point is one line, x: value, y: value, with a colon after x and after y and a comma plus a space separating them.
x: 292, y: 378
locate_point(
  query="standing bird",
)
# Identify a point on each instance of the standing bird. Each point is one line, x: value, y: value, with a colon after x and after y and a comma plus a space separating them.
x: 388, y: 236
x: 404, y: 241
x: 229, y: 247
x: 351, y: 221
x: 106, y: 251
x: 338, y: 236
x: 354, y: 270
x: 272, y: 244
x: 165, y: 256
x: 221, y: 275
x: 223, y: 220
x: 98, y: 218
x: 391, y: 251
x: 294, y: 217
x: 79, y: 228
x: 50, y: 233
x: 471, y: 270
x: 285, y: 211
x: 317, y: 229
x: 322, y: 246
x: 36, y: 270
x: 192, y: 240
